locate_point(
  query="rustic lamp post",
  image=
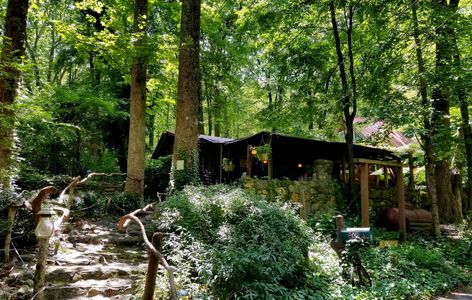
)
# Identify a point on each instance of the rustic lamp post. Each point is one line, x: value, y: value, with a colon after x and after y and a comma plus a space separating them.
x: 43, y: 232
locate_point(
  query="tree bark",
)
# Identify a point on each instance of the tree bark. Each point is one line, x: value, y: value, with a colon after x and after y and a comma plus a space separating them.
x: 466, y: 129
x: 13, y: 50
x: 348, y: 98
x: 137, y: 128
x: 186, y: 125
x: 440, y: 118
x: 427, y: 141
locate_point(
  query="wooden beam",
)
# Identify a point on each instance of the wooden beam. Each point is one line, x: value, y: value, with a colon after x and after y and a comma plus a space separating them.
x: 401, y: 204
x: 378, y: 162
x: 364, y: 181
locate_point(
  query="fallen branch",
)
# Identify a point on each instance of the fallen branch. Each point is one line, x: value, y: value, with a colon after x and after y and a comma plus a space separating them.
x: 122, y: 226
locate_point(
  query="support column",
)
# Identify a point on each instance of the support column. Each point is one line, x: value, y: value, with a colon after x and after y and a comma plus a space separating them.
x: 249, y: 162
x: 401, y: 204
x: 364, y: 181
x: 221, y: 163
x: 343, y: 170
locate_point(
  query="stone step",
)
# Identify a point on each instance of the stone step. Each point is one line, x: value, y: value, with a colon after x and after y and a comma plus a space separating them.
x: 76, y: 273
x: 116, y: 288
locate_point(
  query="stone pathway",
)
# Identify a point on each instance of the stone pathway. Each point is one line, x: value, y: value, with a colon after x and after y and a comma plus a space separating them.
x: 93, y: 261
x: 461, y: 294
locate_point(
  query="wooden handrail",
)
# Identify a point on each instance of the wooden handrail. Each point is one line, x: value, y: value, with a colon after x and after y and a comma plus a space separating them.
x: 124, y: 221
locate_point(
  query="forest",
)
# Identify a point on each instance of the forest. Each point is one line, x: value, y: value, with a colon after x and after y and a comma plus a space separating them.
x: 90, y: 87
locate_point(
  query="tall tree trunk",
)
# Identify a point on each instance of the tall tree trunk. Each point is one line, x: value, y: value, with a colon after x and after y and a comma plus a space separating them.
x: 151, y: 125
x: 463, y: 103
x: 427, y: 141
x: 440, y: 118
x: 218, y: 111
x: 467, y: 131
x: 137, y: 127
x: 185, y: 158
x: 51, y: 55
x: 348, y: 99
x: 13, y: 50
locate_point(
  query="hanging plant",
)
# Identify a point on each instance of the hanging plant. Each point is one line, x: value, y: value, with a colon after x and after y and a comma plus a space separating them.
x: 228, y: 165
x: 263, y: 153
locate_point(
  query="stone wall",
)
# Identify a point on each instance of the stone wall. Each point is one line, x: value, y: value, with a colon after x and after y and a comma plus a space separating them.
x: 316, y: 194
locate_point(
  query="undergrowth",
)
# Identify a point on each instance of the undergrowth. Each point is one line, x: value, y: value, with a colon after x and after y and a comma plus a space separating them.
x: 226, y: 243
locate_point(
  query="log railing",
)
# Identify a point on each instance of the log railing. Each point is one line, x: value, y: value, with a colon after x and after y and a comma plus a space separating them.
x: 158, y: 257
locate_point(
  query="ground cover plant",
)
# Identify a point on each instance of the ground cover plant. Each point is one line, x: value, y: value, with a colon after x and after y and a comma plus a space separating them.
x: 227, y: 243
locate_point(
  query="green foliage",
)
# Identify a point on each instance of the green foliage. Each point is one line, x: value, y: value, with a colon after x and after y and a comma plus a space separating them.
x: 66, y: 130
x: 157, y: 175
x: 235, y: 244
x: 99, y: 205
x: 30, y: 178
x: 228, y: 243
x: 323, y: 223
x: 264, y: 149
x: 416, y: 270
x: 104, y: 162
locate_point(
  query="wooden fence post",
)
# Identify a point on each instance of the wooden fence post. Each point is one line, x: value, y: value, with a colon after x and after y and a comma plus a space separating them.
x: 153, y: 265
x: 364, y: 195
x: 11, y: 221
x: 401, y: 204
x: 40, y: 273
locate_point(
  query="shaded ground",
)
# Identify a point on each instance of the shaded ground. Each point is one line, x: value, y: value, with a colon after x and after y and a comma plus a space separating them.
x: 93, y: 261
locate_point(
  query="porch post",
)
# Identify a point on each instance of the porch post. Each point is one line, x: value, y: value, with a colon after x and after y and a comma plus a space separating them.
x: 249, y: 162
x: 364, y: 195
x: 221, y: 163
x: 343, y: 170
x: 401, y: 204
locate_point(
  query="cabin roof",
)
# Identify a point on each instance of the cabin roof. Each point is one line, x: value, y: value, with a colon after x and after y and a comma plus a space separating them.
x: 327, y: 150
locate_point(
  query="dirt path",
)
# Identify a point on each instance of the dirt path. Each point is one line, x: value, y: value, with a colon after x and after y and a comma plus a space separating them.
x: 93, y: 261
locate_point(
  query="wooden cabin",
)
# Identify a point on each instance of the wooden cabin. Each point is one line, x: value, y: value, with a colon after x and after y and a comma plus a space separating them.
x: 292, y: 158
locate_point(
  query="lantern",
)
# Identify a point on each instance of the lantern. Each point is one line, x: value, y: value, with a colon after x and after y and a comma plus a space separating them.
x: 45, y: 227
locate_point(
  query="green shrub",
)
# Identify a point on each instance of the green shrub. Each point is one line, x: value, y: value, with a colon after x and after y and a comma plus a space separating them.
x: 30, y: 178
x: 156, y: 175
x: 104, y: 162
x: 97, y: 205
x: 235, y: 244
